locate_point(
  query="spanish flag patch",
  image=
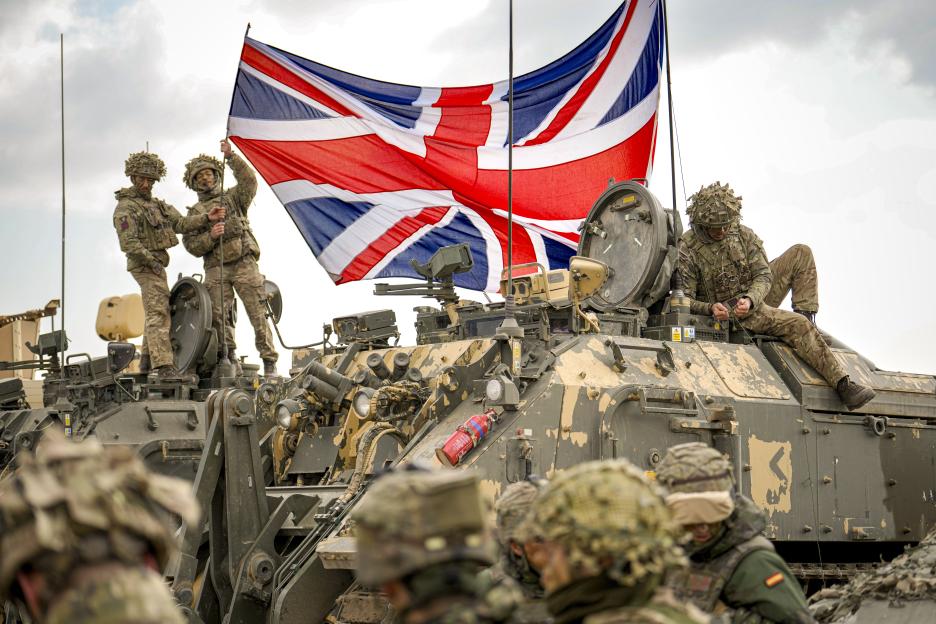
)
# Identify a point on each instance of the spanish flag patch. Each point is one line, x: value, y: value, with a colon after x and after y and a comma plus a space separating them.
x: 774, y: 579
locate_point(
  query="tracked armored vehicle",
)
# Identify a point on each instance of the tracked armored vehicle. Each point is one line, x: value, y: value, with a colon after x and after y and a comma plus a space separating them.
x: 602, y: 360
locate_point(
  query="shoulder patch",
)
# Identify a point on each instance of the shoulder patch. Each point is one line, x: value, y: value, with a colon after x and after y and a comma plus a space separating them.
x: 774, y: 579
x: 123, y: 223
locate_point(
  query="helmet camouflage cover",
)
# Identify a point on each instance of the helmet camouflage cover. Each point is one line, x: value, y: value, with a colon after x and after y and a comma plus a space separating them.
x: 512, y: 507
x: 714, y: 205
x: 145, y: 164
x: 200, y: 162
x: 410, y: 520
x: 610, y: 518
x: 75, y: 503
x: 695, y: 467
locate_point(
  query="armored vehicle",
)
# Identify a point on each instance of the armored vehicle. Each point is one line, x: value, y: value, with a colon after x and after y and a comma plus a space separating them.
x: 602, y: 360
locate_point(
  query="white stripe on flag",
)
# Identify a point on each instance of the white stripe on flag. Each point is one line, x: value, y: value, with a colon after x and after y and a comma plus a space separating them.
x: 279, y: 86
x: 405, y: 200
x: 298, y: 129
x: 406, y: 244
x: 495, y: 256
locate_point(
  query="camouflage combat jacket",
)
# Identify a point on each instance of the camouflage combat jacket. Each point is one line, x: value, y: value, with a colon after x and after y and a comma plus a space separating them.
x: 147, y: 227
x: 741, y: 571
x: 716, y: 271
x: 238, y: 238
x: 600, y: 600
x: 512, y: 595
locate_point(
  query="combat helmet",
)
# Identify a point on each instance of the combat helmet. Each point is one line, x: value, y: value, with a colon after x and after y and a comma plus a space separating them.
x: 512, y: 507
x: 200, y: 162
x: 611, y: 520
x: 699, y: 481
x: 715, y: 205
x: 145, y: 164
x: 410, y: 520
x: 74, y: 504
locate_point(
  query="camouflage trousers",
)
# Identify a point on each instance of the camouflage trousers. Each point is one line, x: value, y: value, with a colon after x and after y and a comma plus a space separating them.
x: 154, y: 290
x: 796, y: 330
x: 794, y: 269
x: 244, y: 277
x: 136, y: 595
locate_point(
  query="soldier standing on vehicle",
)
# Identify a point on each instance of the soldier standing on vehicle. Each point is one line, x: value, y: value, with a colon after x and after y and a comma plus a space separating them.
x: 608, y: 540
x: 795, y: 271
x: 203, y: 174
x: 84, y: 533
x: 512, y: 581
x: 725, y: 273
x: 146, y: 228
x: 422, y: 540
x: 732, y: 564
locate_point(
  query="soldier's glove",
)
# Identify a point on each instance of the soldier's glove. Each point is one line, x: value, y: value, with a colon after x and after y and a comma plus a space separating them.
x: 156, y: 268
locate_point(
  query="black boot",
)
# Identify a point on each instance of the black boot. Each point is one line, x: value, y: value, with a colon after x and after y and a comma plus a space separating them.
x: 163, y: 373
x: 853, y: 395
x: 145, y: 363
x: 810, y: 316
x: 269, y: 369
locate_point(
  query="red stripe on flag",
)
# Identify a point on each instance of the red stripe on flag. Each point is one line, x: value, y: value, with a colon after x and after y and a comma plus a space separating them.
x: 523, y: 250
x: 377, y: 250
x: 572, y: 107
x: 264, y: 64
x: 363, y: 164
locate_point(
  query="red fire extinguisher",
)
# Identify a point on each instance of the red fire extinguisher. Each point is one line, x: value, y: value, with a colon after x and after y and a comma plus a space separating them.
x: 465, y: 438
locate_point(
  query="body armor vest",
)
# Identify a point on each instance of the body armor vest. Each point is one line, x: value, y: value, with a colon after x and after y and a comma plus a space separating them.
x: 702, y: 583
x: 725, y: 271
x: 238, y: 237
x: 154, y: 228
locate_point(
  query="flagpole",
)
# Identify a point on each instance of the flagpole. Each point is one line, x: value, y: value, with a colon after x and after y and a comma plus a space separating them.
x: 510, y: 140
x: 669, y: 101
x: 62, y: 108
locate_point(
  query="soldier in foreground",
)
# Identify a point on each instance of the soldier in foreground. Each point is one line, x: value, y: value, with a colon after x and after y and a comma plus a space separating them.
x: 233, y: 242
x: 84, y: 532
x: 512, y: 582
x: 725, y: 273
x: 146, y: 228
x: 731, y: 563
x: 608, y: 541
x: 422, y: 540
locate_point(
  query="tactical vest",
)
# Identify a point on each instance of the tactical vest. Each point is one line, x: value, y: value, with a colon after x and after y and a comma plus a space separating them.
x: 154, y: 229
x: 703, y: 583
x: 238, y: 237
x: 724, y: 268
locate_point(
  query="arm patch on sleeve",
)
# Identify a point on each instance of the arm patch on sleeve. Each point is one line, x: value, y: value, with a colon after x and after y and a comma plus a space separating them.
x: 123, y: 223
x: 774, y: 579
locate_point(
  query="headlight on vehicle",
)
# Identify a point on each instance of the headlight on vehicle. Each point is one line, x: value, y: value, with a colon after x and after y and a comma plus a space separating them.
x: 494, y: 390
x: 361, y: 402
x: 286, y: 410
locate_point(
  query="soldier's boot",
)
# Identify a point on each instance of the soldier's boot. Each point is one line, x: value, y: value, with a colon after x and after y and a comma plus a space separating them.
x: 145, y: 363
x: 269, y: 369
x: 810, y: 316
x: 853, y: 395
x: 163, y: 373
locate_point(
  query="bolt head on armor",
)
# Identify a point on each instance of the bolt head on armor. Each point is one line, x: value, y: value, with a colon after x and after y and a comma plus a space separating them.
x: 695, y: 467
x: 414, y: 519
x: 715, y: 205
x: 145, y: 164
x: 197, y: 164
x: 610, y: 519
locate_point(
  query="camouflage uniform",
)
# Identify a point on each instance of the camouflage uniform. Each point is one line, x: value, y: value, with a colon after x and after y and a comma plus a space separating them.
x: 84, y: 532
x: 425, y: 530
x: 619, y: 541
x: 738, y: 568
x: 794, y: 270
x: 146, y: 228
x: 240, y: 251
x: 716, y: 271
x: 512, y: 586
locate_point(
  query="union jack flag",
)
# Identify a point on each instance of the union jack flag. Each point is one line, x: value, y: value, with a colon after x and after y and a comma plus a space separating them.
x: 375, y: 174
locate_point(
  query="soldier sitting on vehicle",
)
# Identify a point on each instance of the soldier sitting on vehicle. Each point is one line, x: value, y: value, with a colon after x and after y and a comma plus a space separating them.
x: 731, y: 564
x: 513, y: 581
x: 607, y: 540
x: 794, y: 271
x: 422, y: 540
x: 84, y: 533
x: 146, y: 228
x: 725, y: 273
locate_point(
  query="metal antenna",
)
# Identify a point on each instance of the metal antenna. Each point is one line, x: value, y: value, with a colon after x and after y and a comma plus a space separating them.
x: 62, y: 107
x: 669, y: 101
x: 510, y: 140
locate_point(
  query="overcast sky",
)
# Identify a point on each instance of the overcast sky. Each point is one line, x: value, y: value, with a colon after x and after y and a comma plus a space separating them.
x: 821, y: 114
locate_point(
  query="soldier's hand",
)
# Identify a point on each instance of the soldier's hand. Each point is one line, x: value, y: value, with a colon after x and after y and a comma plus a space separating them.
x: 217, y: 214
x: 719, y: 311
x: 217, y: 230
x: 743, y: 306
x: 226, y: 148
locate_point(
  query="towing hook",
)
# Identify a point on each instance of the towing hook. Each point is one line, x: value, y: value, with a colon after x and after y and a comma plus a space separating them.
x: 877, y: 424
